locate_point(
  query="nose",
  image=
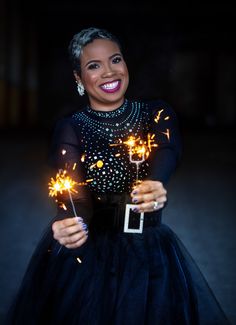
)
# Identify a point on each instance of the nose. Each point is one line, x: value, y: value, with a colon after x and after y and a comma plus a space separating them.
x: 108, y: 71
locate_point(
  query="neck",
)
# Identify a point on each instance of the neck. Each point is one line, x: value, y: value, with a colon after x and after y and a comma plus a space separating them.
x: 106, y: 106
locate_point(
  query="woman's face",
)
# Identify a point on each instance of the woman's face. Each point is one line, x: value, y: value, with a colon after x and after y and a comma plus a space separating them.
x: 104, y: 74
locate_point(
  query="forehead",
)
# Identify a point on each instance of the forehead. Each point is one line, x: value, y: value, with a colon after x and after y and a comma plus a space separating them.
x: 99, y: 49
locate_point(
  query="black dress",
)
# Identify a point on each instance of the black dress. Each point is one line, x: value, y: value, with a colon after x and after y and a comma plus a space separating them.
x: 124, y: 278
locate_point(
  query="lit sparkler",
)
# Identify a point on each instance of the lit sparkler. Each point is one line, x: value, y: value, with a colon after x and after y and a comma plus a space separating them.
x: 63, y: 183
x: 139, y: 151
x: 60, y: 184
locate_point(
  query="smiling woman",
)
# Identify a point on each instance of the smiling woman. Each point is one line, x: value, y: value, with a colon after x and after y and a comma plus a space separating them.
x: 114, y: 262
x: 104, y: 74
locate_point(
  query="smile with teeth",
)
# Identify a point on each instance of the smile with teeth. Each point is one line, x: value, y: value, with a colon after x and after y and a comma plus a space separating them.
x: 111, y: 86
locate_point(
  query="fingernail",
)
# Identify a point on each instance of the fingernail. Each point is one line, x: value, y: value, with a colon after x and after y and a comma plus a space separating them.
x: 134, y: 200
x: 84, y: 226
x: 135, y: 209
x: 135, y: 192
x: 79, y: 219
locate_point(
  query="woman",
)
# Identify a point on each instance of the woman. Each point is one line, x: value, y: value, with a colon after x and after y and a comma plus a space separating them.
x: 108, y: 258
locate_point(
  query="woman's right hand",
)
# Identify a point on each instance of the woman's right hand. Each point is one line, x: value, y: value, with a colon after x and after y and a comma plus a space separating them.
x: 70, y: 232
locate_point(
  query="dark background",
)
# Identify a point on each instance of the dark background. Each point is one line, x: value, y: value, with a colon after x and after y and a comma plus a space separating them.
x: 182, y: 53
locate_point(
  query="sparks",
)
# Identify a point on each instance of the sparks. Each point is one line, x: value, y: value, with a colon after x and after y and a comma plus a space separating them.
x: 139, y: 150
x: 150, y: 140
x: 62, y: 183
x: 63, y: 206
x: 167, y: 133
x: 157, y: 118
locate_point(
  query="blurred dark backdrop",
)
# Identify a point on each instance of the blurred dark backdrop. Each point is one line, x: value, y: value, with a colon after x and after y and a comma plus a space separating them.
x: 182, y: 53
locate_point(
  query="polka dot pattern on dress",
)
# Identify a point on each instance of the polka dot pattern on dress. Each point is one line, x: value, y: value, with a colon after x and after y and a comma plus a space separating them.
x: 99, y: 131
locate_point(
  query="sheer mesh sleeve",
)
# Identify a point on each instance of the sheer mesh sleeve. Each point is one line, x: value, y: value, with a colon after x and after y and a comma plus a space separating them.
x: 66, y: 155
x: 166, y: 156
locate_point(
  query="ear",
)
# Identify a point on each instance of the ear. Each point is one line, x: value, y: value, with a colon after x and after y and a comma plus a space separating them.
x: 77, y: 77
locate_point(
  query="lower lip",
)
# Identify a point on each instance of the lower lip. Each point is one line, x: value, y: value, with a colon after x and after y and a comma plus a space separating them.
x: 113, y: 90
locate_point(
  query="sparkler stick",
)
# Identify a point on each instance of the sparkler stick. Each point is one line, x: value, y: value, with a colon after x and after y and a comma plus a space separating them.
x: 140, y: 151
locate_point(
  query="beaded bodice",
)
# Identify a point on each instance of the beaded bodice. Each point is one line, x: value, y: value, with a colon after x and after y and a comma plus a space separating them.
x: 104, y: 155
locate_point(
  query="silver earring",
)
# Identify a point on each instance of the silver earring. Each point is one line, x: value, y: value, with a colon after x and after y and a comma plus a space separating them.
x: 80, y: 88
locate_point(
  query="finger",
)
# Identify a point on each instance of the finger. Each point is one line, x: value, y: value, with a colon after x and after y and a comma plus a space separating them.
x: 147, y: 187
x: 70, y: 221
x: 78, y: 243
x: 70, y: 240
x: 60, y: 224
x: 149, y: 207
x: 69, y: 231
x: 148, y: 197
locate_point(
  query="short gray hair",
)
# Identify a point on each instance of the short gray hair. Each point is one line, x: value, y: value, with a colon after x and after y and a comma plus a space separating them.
x: 84, y: 37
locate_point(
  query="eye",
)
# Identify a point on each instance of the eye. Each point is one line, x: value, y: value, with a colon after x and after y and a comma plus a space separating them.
x: 117, y: 59
x: 93, y: 66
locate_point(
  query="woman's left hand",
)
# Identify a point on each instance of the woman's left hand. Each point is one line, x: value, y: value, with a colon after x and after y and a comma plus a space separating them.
x: 149, y: 196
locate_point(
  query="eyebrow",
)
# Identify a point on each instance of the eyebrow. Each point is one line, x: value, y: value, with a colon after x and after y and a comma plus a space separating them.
x: 110, y: 57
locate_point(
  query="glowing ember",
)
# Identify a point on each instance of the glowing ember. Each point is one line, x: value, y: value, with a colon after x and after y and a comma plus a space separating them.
x: 167, y: 133
x: 62, y: 183
x: 139, y: 150
x: 63, y: 206
x: 150, y: 140
x: 131, y: 142
x: 157, y: 118
x: 79, y: 260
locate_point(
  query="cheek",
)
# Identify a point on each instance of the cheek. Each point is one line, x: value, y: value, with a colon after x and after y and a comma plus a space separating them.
x: 125, y: 71
x: 89, y: 79
x: 87, y: 82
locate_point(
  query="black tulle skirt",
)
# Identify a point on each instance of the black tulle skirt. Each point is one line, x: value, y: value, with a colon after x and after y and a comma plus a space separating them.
x: 115, y: 278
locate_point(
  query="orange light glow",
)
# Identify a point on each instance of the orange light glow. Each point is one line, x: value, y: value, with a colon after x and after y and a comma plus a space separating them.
x: 62, y: 183
x: 158, y: 116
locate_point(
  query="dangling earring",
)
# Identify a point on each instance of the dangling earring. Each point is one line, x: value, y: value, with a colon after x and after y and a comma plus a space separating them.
x: 80, y: 88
